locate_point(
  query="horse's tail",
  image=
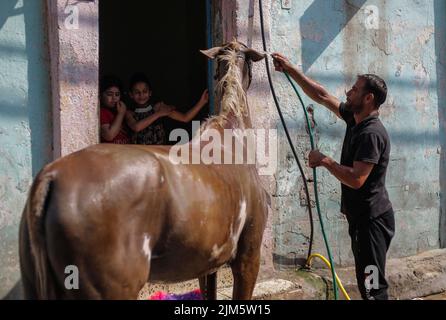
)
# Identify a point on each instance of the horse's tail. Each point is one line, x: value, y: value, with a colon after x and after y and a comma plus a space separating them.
x: 35, y: 213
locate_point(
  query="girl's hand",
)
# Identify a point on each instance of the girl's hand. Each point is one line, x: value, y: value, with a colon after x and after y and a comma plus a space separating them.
x: 157, y: 106
x: 204, y: 97
x: 163, y: 110
x: 162, y: 106
x: 121, y: 107
x: 169, y: 107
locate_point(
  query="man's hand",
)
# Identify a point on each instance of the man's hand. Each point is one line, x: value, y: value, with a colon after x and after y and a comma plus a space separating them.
x: 121, y: 107
x: 316, y: 158
x: 353, y: 177
x: 311, y: 88
x: 204, y: 97
x: 281, y: 63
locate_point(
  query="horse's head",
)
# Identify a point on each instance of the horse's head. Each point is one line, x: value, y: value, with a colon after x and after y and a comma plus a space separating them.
x: 238, y: 53
x: 234, y: 75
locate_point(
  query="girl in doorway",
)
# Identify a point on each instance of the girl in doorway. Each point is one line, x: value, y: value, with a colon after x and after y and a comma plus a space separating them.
x: 145, y: 119
x: 112, y: 112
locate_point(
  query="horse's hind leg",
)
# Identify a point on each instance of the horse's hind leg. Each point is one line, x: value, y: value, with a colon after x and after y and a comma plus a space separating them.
x: 245, y: 268
x: 208, y: 286
x: 103, y: 270
x: 109, y: 282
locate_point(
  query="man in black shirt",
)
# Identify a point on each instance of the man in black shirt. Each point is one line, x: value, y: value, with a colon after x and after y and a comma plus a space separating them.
x: 362, y: 172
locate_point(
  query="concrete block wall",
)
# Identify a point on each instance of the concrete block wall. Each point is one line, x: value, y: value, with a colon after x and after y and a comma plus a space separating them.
x: 333, y: 41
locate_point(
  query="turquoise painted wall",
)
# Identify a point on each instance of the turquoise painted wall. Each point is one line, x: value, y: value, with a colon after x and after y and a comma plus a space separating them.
x: 440, y: 50
x: 333, y: 41
x: 25, y: 120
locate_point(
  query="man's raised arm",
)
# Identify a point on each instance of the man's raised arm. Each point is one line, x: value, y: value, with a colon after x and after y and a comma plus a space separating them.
x: 311, y: 88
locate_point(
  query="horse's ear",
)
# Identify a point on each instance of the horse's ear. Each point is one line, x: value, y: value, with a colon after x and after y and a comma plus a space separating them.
x: 254, y: 55
x: 211, y: 53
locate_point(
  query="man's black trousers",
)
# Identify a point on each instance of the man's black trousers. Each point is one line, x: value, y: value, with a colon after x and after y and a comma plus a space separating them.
x: 371, y: 239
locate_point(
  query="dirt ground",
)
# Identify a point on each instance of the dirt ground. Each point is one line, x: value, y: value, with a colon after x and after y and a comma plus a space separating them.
x: 441, y: 296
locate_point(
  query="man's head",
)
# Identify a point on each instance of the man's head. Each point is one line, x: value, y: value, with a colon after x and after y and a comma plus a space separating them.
x: 369, y: 91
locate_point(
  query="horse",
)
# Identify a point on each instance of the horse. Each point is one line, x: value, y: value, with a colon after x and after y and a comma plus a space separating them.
x: 125, y: 215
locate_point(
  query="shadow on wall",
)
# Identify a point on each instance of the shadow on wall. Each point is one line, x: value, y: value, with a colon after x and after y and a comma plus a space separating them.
x: 39, y: 96
x: 25, y: 104
x: 35, y: 105
x: 6, y: 110
x: 440, y: 51
x: 319, y: 26
x: 8, y: 10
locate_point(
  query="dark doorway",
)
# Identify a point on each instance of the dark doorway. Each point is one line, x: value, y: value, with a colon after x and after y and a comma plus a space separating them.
x: 161, y: 39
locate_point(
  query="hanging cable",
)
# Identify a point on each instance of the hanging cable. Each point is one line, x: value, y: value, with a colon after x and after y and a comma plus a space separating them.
x: 307, y: 194
x: 316, y: 193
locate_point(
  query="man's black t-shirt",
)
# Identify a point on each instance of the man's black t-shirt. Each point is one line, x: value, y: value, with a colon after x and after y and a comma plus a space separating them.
x: 367, y: 142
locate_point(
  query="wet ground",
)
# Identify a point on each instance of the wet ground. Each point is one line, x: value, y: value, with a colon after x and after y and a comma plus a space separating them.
x: 287, y: 285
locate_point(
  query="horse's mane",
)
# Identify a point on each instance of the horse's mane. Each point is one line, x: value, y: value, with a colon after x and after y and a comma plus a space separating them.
x: 234, y: 100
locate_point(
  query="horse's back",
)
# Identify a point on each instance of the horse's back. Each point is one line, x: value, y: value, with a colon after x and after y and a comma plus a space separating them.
x: 95, y: 218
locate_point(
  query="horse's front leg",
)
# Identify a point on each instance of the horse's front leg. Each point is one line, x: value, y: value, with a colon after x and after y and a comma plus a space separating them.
x: 208, y: 286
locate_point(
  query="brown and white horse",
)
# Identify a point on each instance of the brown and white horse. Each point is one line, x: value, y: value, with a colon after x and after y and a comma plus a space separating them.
x: 126, y: 214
